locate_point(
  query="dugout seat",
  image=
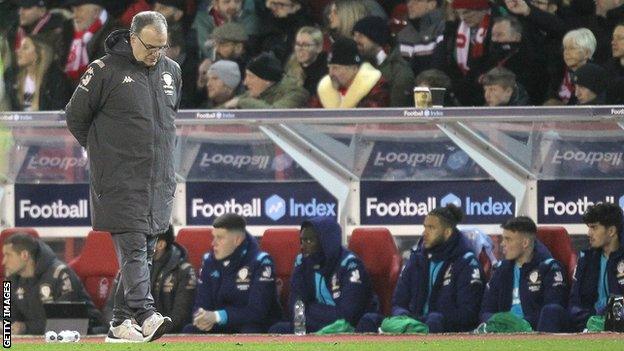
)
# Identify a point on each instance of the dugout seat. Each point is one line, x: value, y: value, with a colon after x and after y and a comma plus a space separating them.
x: 7, y: 233
x: 283, y: 245
x: 380, y: 255
x: 560, y: 245
x: 196, y: 241
x: 97, y: 266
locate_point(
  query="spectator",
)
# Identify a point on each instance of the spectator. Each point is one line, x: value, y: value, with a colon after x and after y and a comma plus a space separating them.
x: 267, y: 87
x: 599, y: 269
x: 578, y: 48
x: 5, y: 63
x: 223, y: 81
x: 173, y: 282
x: 217, y: 14
x: 236, y: 291
x: 329, y: 279
x: 350, y: 82
x: 501, y: 89
x: 434, y: 78
x: 463, y: 53
x: 615, y: 67
x: 590, y: 83
x: 545, y: 30
x: 600, y: 17
x: 229, y: 44
x: 442, y: 283
x: 308, y: 64
x: 92, y: 25
x: 343, y: 14
x: 372, y: 35
x: 188, y: 62
x: 528, y: 283
x: 178, y: 20
x: 52, y: 27
x: 424, y: 30
x: 512, y: 50
x: 281, y: 26
x: 35, y: 83
x: 38, y: 277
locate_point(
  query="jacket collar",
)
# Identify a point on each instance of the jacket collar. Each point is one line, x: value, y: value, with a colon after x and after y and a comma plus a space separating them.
x: 365, y: 80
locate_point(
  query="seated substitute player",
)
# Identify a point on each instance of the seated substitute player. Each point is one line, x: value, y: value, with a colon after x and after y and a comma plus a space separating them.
x: 38, y: 277
x: 600, y: 269
x: 528, y: 283
x: 442, y: 283
x: 329, y: 279
x: 236, y: 291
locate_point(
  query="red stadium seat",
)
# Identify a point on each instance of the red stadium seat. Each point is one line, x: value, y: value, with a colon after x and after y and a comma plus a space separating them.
x: 97, y: 266
x: 196, y: 241
x: 558, y: 242
x: 377, y: 249
x: 7, y: 233
x: 283, y: 246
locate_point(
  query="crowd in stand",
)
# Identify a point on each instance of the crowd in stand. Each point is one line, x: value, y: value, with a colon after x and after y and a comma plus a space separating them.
x: 442, y: 287
x: 240, y: 54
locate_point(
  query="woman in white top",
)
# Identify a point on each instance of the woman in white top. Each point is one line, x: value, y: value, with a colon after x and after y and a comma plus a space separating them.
x: 35, y: 82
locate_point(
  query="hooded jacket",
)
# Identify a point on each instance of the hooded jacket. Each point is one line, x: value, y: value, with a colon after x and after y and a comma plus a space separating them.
x: 333, y: 283
x: 123, y: 113
x: 456, y: 292
x: 53, y: 281
x: 584, y: 293
x: 240, y: 288
x: 173, y: 286
x: 542, y: 282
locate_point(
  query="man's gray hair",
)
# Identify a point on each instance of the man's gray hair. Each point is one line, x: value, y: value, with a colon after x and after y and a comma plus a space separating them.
x: 147, y: 18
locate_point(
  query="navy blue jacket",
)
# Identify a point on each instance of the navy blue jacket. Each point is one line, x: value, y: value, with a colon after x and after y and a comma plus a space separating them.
x: 240, y: 287
x: 542, y: 282
x: 584, y: 292
x: 333, y: 283
x: 457, y: 291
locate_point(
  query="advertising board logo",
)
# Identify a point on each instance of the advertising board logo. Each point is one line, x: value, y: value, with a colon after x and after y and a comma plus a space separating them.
x: 450, y: 198
x: 275, y: 207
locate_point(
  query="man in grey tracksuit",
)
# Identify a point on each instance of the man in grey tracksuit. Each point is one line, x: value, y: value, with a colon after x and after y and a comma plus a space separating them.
x: 123, y: 112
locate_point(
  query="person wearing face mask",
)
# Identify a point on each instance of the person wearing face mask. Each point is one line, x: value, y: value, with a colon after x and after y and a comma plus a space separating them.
x: 330, y: 280
x: 36, y: 83
x: 236, y: 291
x: 510, y: 49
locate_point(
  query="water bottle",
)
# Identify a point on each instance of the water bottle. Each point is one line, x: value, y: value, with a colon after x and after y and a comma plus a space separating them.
x: 299, y: 319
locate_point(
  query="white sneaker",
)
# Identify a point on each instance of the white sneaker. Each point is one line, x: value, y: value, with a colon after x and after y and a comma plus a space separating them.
x: 155, y: 326
x: 125, y: 332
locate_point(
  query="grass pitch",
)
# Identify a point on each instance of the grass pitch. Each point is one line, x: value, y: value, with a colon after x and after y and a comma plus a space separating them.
x: 428, y: 344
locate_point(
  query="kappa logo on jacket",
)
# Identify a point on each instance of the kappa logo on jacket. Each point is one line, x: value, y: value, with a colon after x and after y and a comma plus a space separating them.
x: 127, y: 79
